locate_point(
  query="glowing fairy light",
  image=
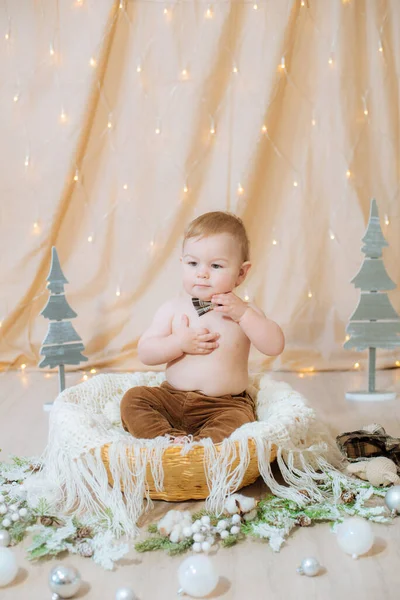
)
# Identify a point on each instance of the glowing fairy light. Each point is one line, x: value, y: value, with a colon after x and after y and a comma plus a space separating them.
x: 264, y: 129
x: 240, y: 190
x: 348, y: 173
x: 93, y: 62
x: 310, y: 294
x: 356, y: 365
x: 125, y: 186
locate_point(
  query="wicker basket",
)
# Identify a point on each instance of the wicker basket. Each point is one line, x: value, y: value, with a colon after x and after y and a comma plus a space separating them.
x: 184, y: 477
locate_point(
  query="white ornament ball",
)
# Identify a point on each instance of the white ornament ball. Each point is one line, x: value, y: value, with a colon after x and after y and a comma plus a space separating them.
x: 6, y: 522
x: 15, y: 517
x: 187, y: 531
x: 5, y: 538
x: 309, y: 566
x: 392, y: 499
x: 8, y: 567
x: 198, y: 537
x: 196, y: 547
x: 236, y: 519
x: 205, y: 520
x: 196, y: 527
x: 125, y: 593
x: 355, y: 536
x: 206, y: 547
x: 13, y: 507
x: 23, y: 512
x: 222, y: 524
x: 235, y: 530
x: 224, y: 534
x: 3, y: 509
x: 197, y: 576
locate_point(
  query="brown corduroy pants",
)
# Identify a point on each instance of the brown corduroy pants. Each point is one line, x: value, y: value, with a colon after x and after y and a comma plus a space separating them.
x: 148, y: 412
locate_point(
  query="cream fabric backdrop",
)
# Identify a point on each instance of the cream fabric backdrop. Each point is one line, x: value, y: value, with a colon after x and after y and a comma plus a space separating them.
x: 122, y: 121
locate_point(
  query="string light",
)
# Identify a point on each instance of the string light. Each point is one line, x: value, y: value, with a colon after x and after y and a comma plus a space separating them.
x: 302, y: 3
x: 209, y: 13
x: 90, y: 239
x: 309, y: 294
x: 348, y: 174
x: 125, y: 186
x: 76, y: 176
x: 331, y: 235
x: 63, y: 116
x: 52, y: 51
x: 118, y: 291
x: 152, y: 243
x: 295, y: 184
x: 346, y: 339
x: 16, y: 97
x: 85, y: 377
x: 27, y: 160
x: 255, y: 6
x: 184, y: 74
x: 282, y: 64
x: 1, y: 323
x: 380, y: 47
x: 235, y: 69
x: 23, y: 366
x: 264, y: 129
x: 93, y: 371
x: 313, y: 122
x: 330, y: 60
x: 397, y: 363
x: 246, y: 298
x: 356, y: 365
x: 274, y: 242
x: 93, y: 62
x: 157, y: 130
x: 36, y: 225
x: 109, y: 124
x: 240, y: 190
x: 7, y: 35
x: 301, y: 375
x: 212, y: 129
x: 185, y: 189
x: 387, y: 222
x: 138, y: 69
x: 121, y: 4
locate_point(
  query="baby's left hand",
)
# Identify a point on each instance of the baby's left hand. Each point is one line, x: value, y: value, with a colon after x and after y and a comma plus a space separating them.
x: 232, y: 306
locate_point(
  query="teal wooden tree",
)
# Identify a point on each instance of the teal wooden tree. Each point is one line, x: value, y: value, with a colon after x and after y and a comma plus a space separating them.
x: 62, y: 345
x: 375, y: 323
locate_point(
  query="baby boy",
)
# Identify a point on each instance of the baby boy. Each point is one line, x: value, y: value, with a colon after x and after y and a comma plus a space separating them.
x: 204, y: 337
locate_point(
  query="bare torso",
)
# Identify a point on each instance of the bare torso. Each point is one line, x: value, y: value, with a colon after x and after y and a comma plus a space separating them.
x: 224, y: 370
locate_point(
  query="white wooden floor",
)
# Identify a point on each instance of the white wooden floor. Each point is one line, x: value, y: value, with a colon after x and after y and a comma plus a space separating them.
x: 249, y: 571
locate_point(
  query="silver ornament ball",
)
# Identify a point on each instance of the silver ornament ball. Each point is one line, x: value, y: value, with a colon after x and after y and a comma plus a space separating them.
x: 64, y: 581
x: 309, y: 566
x: 392, y: 499
x: 125, y: 593
x: 5, y: 539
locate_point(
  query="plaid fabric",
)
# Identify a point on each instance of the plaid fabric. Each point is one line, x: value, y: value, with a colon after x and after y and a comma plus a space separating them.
x: 361, y: 444
x: 202, y: 306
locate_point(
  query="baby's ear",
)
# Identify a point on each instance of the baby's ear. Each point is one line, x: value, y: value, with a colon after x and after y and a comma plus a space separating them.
x: 244, y: 269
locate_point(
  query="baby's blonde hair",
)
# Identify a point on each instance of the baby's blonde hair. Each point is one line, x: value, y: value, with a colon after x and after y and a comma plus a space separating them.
x: 213, y: 223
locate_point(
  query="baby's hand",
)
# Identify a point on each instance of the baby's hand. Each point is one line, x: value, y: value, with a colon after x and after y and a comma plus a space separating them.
x: 194, y: 341
x: 230, y: 305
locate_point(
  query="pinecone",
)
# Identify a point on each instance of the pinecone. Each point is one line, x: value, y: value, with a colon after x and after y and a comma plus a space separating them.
x: 49, y: 521
x: 347, y: 496
x: 84, y: 532
x: 85, y: 549
x: 303, y: 521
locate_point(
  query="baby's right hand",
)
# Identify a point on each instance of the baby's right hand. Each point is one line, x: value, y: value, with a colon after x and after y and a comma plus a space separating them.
x: 194, y: 341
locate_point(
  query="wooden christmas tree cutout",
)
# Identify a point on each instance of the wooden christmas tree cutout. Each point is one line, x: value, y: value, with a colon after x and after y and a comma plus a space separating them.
x: 375, y: 323
x: 62, y: 345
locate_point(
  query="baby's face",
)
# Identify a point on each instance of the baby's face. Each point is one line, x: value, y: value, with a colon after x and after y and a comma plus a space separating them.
x: 211, y: 265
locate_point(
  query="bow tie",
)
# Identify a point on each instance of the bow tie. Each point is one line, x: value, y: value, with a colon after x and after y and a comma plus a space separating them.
x: 202, y: 306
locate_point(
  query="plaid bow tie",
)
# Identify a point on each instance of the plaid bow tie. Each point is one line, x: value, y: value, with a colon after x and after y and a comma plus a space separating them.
x: 202, y: 306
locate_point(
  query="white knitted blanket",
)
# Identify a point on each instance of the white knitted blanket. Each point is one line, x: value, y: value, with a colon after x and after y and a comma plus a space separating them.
x: 86, y: 417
